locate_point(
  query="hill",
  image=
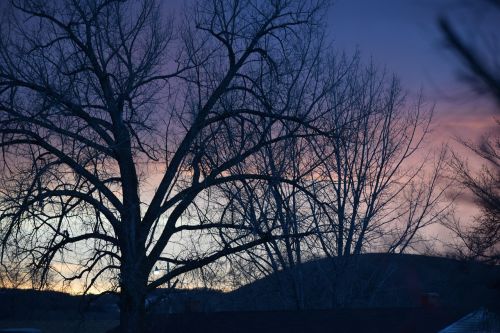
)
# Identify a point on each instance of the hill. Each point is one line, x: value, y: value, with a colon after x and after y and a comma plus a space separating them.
x: 52, y: 305
x: 373, y: 281
x: 367, y: 281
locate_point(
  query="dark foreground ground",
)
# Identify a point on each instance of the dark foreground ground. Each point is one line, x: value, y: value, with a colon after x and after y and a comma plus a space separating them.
x: 62, y: 325
x: 389, y: 320
x: 324, y: 321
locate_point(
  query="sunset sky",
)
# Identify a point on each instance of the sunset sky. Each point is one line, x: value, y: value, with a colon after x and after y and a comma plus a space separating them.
x: 403, y: 36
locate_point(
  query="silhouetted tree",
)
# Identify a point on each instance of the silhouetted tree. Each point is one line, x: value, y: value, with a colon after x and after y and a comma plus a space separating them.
x: 366, y: 168
x: 370, y: 189
x: 116, y: 127
x: 481, y: 240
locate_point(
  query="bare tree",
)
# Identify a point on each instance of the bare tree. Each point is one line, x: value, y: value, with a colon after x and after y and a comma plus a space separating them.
x: 369, y: 188
x: 278, y: 207
x: 116, y: 127
x: 368, y: 166
x: 481, y: 240
x: 424, y: 201
x: 381, y: 189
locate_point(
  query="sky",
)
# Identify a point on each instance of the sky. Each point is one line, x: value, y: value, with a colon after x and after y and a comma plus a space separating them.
x: 398, y: 34
x: 403, y: 37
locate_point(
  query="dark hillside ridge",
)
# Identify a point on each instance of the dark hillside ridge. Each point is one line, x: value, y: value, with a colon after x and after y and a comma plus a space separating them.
x: 373, y: 281
x: 29, y: 304
x: 369, y: 281
x: 365, y: 281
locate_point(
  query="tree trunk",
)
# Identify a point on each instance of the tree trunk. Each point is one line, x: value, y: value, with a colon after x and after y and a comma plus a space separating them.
x: 132, y: 303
